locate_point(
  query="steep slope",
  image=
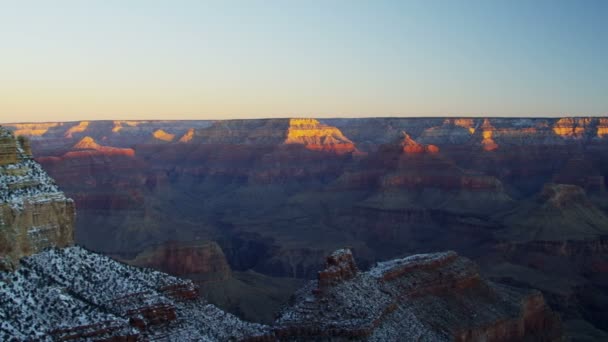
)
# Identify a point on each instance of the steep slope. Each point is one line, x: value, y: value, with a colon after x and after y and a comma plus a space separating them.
x: 430, y: 297
x: 561, y: 212
x: 34, y: 214
x: 73, y: 294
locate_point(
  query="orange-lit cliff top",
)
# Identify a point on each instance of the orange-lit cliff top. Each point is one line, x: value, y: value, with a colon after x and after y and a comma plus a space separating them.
x: 81, y: 127
x: 162, y: 135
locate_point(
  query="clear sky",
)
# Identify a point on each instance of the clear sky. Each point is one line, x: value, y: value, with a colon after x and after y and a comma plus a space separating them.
x: 128, y: 59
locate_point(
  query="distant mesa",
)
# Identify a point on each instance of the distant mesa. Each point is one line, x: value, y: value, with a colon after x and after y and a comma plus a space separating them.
x: 33, y: 129
x: 602, y: 127
x: 469, y: 124
x: 118, y: 125
x: 162, y: 135
x: 410, y: 146
x: 187, y: 137
x: 88, y: 145
x: 81, y: 127
x: 318, y: 137
x: 488, y: 144
x: 571, y: 127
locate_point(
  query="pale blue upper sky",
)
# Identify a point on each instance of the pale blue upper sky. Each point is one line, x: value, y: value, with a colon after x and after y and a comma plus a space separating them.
x: 127, y: 59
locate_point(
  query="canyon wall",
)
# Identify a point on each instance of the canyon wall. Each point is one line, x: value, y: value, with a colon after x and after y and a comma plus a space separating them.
x: 278, y: 195
x: 34, y: 214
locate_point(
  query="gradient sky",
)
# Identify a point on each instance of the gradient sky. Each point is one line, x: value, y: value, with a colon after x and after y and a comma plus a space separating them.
x: 127, y: 59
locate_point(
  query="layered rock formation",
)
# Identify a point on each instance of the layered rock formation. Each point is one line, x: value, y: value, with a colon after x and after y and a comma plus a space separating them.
x: 432, y: 297
x: 73, y: 294
x: 318, y: 137
x: 278, y: 208
x: 162, y: 135
x: 410, y: 146
x: 89, y: 145
x: 34, y: 214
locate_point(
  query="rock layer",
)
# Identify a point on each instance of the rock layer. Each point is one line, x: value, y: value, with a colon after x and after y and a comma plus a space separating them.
x: 34, y: 214
x: 431, y: 297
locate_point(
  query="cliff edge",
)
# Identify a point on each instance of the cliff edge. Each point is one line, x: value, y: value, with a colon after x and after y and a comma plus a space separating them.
x: 34, y: 214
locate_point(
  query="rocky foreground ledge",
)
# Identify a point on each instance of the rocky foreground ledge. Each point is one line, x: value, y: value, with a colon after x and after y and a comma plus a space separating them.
x: 73, y: 294
x: 424, y: 297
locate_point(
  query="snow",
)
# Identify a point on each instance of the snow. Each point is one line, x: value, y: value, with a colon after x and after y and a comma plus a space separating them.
x: 72, y: 287
x: 417, y: 259
x: 26, y: 182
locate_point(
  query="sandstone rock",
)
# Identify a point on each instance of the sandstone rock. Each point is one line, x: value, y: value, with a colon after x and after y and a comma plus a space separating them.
x: 437, y: 297
x: 187, y: 137
x: 162, y: 135
x: 340, y: 266
x: 74, y: 294
x: 602, y: 127
x: 487, y: 130
x: 572, y: 127
x: 79, y: 128
x: 88, y: 146
x: 318, y: 137
x: 34, y: 214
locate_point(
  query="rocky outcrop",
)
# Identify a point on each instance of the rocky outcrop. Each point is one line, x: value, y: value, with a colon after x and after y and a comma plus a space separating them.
x: 487, y: 131
x: 33, y: 129
x: 572, y: 127
x: 74, y: 294
x: 318, y: 137
x: 188, y: 136
x: 602, y: 128
x: 410, y: 146
x: 79, y: 128
x: 162, y: 135
x: 339, y: 267
x: 438, y: 297
x: 88, y: 145
x: 34, y: 214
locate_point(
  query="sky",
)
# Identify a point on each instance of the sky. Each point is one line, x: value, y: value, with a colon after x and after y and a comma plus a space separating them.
x: 66, y: 60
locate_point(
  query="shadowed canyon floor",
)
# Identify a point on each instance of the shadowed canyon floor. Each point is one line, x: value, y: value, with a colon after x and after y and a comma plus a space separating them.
x: 525, y: 198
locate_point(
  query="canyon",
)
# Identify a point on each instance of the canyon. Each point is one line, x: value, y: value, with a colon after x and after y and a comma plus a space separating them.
x: 55, y: 291
x: 241, y: 201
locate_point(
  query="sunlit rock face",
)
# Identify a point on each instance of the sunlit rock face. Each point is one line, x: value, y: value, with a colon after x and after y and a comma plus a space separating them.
x: 87, y: 145
x: 187, y: 137
x: 79, y: 128
x: 34, y: 214
x: 122, y: 124
x: 451, y: 131
x: 465, y: 123
x: 487, y: 131
x: 33, y: 129
x: 572, y: 127
x: 410, y: 146
x: 162, y: 135
x: 602, y: 127
x: 318, y: 137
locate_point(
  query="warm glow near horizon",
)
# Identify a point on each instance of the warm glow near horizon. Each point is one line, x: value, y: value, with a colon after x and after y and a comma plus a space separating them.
x: 143, y: 60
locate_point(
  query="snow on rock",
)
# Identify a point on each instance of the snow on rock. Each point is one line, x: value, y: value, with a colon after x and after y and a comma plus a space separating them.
x: 73, y: 293
x: 34, y: 213
x: 424, y: 297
